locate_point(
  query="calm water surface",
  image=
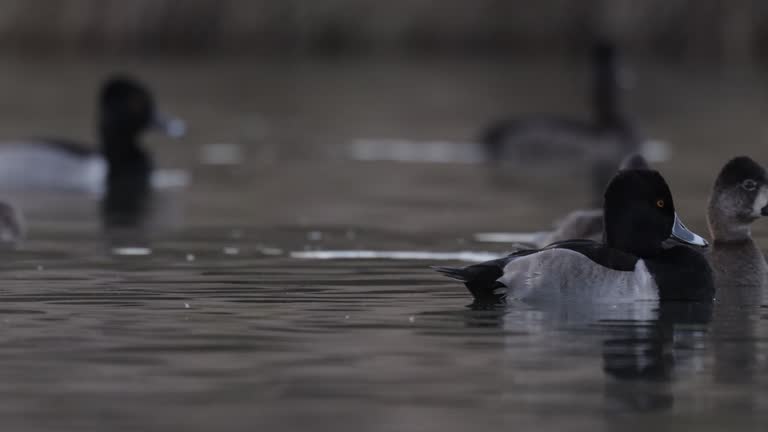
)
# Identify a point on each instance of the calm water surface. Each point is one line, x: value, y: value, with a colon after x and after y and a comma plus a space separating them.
x: 205, y: 320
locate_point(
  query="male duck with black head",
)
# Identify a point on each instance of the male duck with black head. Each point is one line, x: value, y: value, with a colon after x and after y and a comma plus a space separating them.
x: 631, y: 264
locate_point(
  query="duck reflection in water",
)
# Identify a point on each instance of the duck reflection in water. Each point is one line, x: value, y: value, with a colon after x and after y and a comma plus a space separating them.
x: 127, y: 110
x: 644, y: 346
x: 643, y: 356
x: 642, y: 359
x: 126, y: 203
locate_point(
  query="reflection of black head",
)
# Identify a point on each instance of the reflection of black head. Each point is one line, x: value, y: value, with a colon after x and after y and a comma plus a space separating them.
x: 126, y: 110
x: 638, y: 212
x: 644, y: 353
x: 125, y: 208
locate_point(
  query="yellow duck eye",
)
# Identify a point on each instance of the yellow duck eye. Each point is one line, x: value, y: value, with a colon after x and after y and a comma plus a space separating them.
x: 660, y: 203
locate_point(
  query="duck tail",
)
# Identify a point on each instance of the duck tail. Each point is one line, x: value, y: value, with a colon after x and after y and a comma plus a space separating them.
x: 480, y: 280
x: 457, y: 273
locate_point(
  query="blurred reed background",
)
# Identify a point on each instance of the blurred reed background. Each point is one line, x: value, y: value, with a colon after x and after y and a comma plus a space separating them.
x: 719, y: 30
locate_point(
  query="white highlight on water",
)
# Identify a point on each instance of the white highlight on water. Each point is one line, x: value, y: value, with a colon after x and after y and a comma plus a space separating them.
x: 314, y: 236
x: 402, y: 150
x: 132, y: 251
x: 271, y: 251
x: 466, y: 256
x: 170, y: 179
x: 509, y: 237
x: 221, y: 154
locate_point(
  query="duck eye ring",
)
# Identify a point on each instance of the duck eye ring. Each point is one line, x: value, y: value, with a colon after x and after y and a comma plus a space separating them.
x: 749, y: 185
x: 660, y: 203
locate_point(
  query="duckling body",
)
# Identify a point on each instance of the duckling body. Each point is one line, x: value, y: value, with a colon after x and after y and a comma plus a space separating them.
x: 739, y: 197
x: 738, y: 264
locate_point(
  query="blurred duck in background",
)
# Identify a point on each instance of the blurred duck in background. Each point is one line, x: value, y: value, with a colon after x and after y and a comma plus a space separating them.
x: 126, y: 111
x: 121, y: 170
x: 599, y: 143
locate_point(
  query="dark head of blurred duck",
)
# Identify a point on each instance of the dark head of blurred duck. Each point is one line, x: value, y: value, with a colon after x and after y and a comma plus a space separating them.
x: 126, y: 111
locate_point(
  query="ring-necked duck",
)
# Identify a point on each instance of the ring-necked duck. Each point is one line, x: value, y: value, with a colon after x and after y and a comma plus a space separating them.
x: 631, y: 264
x: 739, y: 197
x: 126, y: 111
x: 600, y: 143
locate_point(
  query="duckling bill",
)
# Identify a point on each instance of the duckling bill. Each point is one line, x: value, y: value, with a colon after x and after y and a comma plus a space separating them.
x: 631, y: 264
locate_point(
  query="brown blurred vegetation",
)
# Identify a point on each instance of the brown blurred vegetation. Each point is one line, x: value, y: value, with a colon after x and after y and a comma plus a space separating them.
x: 721, y: 30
